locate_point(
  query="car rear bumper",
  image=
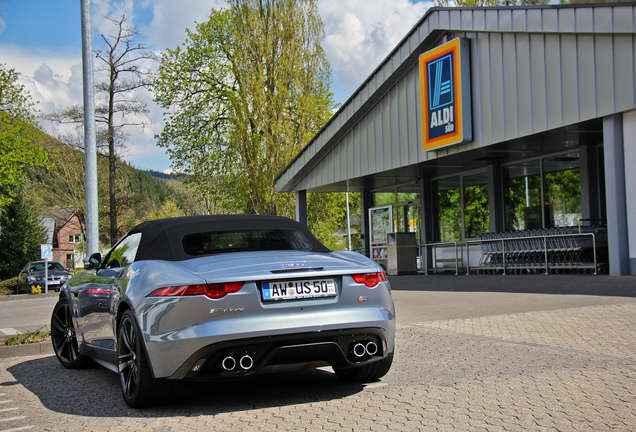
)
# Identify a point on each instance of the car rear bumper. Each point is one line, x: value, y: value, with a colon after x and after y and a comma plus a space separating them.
x: 247, y: 357
x: 175, y: 329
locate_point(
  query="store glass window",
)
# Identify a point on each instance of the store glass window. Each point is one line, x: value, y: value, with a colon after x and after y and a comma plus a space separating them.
x: 476, y: 208
x: 562, y: 189
x: 383, y: 198
x: 523, y: 207
x: 543, y: 193
x: 449, y: 209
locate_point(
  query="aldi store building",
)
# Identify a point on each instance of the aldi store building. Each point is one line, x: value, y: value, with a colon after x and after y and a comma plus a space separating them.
x: 493, y: 123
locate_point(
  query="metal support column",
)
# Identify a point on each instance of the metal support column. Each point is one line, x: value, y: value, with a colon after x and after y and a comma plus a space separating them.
x: 590, y: 194
x: 301, y: 207
x: 496, y: 198
x: 365, y: 205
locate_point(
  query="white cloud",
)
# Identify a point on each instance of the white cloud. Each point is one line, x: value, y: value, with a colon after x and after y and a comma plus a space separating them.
x: 361, y: 33
x: 103, y: 11
x: 54, y: 81
x: 171, y: 18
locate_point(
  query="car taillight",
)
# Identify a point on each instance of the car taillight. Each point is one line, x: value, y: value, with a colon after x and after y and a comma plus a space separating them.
x: 213, y: 290
x: 369, y: 279
x: 98, y: 291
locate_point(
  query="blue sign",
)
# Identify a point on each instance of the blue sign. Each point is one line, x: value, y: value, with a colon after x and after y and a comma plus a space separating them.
x: 46, y: 252
x: 440, y: 79
x: 445, y: 83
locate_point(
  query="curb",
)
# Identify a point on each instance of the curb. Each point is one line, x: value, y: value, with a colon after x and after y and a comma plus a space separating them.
x: 11, y: 297
x: 32, y: 349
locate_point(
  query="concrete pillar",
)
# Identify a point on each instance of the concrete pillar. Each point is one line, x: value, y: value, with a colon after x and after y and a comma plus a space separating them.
x: 615, y: 195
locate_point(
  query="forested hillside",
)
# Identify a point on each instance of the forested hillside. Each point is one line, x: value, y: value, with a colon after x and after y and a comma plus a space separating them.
x: 140, y: 196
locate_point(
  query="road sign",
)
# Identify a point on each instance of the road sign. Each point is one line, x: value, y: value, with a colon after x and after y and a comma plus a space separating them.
x: 46, y: 251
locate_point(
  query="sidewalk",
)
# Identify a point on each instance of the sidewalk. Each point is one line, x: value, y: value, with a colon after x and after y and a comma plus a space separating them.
x: 600, y: 285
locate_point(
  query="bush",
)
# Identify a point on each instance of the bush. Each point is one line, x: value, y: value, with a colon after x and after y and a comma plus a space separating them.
x: 8, y: 286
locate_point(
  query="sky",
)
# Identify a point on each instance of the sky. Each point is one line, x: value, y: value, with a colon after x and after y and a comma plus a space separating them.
x: 41, y: 39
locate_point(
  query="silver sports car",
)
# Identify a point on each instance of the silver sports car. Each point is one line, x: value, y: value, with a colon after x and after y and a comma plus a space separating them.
x: 222, y: 297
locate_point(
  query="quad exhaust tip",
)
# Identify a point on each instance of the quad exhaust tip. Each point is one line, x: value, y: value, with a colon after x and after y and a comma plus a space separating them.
x: 371, y: 348
x: 364, y: 348
x: 246, y: 363
x: 359, y: 350
x: 228, y: 363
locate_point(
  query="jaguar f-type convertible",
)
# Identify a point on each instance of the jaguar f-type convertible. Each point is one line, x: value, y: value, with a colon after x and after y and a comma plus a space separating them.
x: 223, y: 297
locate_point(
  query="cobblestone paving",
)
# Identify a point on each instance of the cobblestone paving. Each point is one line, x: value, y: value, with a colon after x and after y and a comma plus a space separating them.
x: 560, y: 370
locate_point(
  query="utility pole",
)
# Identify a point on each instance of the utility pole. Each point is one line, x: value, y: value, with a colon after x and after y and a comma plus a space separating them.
x: 90, y: 141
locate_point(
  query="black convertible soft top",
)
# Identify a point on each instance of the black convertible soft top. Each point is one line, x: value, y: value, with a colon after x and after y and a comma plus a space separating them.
x: 162, y: 239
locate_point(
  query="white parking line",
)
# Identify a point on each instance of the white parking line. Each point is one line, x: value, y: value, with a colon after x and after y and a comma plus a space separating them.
x: 8, y: 409
x: 22, y: 428
x: 12, y: 419
x: 6, y: 401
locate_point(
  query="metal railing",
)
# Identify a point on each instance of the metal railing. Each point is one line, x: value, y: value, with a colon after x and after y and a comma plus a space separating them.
x: 434, y: 246
x: 560, y: 251
x: 539, y: 250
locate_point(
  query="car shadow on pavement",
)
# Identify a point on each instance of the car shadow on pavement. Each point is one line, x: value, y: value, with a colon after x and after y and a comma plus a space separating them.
x: 95, y: 391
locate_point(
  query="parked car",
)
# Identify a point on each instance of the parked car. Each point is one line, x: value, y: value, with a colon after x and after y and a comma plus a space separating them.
x: 223, y: 297
x: 32, y: 275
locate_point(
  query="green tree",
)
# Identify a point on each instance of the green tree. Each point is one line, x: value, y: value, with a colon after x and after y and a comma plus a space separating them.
x: 246, y: 92
x: 327, y: 218
x: 20, y: 236
x: 19, y: 146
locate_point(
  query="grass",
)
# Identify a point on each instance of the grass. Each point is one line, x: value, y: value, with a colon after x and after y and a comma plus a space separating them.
x: 39, y: 335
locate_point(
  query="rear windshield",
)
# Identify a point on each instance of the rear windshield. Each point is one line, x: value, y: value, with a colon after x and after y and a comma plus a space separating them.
x: 40, y: 266
x: 244, y: 241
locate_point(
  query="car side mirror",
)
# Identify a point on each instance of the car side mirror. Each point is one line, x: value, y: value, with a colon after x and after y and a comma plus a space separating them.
x: 93, y: 261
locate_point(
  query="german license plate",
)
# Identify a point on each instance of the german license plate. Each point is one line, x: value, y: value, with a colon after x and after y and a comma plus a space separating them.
x: 299, y: 289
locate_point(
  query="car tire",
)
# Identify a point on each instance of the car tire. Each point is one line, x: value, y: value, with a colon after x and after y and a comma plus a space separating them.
x: 139, y: 388
x: 64, y: 339
x: 366, y: 373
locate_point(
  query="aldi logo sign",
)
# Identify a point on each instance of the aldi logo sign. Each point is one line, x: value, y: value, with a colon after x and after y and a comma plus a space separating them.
x: 446, y: 106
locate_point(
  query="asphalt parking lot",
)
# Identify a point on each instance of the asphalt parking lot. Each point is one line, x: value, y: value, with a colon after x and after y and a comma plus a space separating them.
x: 473, y: 353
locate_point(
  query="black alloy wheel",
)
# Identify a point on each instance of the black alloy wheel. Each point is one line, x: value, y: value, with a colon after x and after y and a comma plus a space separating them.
x: 139, y: 387
x: 63, y: 337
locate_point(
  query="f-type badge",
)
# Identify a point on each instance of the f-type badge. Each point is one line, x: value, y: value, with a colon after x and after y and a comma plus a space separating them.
x: 226, y: 310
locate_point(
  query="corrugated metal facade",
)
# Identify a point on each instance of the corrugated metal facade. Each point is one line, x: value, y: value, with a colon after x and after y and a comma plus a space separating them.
x: 532, y: 70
